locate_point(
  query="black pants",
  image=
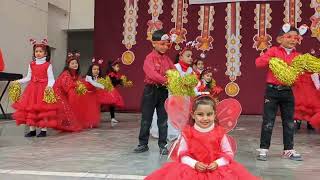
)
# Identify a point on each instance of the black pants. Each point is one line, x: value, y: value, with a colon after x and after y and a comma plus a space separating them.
x: 283, y: 98
x: 154, y: 97
x: 112, y: 110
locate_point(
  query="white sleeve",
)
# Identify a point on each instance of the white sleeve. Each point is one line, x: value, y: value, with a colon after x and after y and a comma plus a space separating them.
x: 315, y: 79
x: 93, y: 83
x: 27, y: 78
x: 225, y: 148
x: 186, y: 159
x: 50, y: 76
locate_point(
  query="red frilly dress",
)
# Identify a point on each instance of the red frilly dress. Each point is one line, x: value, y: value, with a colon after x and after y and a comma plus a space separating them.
x: 203, y: 147
x: 30, y: 108
x: 80, y: 111
x: 307, y: 100
x: 116, y: 81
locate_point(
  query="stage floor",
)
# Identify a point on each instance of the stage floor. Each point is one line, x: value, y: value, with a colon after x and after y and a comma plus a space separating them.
x: 106, y: 153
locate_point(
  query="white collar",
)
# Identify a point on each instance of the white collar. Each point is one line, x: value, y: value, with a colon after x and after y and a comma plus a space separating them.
x: 203, y: 130
x: 41, y: 60
x: 288, y: 51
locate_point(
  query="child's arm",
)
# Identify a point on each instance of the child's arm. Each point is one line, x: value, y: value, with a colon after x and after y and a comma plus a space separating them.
x: 226, y: 149
x: 27, y: 78
x: 50, y: 76
x: 149, y: 70
x: 186, y: 159
x: 315, y: 79
x: 263, y: 60
x: 94, y: 83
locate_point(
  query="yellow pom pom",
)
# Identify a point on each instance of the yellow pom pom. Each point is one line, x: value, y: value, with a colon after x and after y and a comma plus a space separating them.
x: 14, y: 91
x: 306, y: 62
x: 284, y: 73
x: 81, y: 89
x: 181, y: 86
x: 126, y: 83
x: 49, y: 96
x: 106, y: 82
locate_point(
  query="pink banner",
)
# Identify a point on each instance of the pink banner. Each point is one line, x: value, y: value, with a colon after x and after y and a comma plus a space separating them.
x: 224, y: 1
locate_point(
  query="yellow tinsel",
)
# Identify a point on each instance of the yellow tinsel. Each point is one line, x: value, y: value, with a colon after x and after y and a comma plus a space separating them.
x: 14, y: 91
x: 126, y: 83
x: 306, y: 62
x: 81, y: 89
x: 181, y: 86
x: 106, y: 82
x: 283, y: 72
x: 49, y: 96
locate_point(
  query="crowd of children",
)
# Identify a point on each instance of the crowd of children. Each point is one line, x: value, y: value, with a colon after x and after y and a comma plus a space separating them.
x: 204, y: 149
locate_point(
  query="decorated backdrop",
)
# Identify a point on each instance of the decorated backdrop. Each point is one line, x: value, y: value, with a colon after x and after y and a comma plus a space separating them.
x: 230, y: 36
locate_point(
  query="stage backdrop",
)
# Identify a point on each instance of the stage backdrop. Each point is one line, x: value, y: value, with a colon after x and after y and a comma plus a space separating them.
x: 108, y: 37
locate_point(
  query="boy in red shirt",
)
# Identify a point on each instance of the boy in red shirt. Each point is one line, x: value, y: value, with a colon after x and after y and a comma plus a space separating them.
x: 279, y: 95
x: 155, y: 92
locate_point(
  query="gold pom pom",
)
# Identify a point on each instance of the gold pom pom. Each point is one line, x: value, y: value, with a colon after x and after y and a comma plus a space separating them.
x: 181, y: 86
x: 283, y: 72
x: 106, y: 82
x: 14, y: 91
x: 81, y: 89
x: 49, y: 96
x: 306, y: 62
x: 126, y: 83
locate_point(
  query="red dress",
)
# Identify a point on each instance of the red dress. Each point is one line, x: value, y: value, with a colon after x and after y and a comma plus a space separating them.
x: 116, y: 81
x: 307, y: 98
x: 31, y: 109
x: 203, y: 147
x: 80, y: 111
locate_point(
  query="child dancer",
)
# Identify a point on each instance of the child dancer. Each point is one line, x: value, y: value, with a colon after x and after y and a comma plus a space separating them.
x: 79, y: 110
x: 155, y: 93
x: 208, y: 84
x: 30, y: 108
x: 198, y: 66
x: 204, y: 150
x: 279, y: 95
x: 116, y: 78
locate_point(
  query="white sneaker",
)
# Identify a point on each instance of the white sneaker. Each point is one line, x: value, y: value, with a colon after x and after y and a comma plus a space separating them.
x: 262, y: 154
x: 292, y: 155
x: 113, y: 120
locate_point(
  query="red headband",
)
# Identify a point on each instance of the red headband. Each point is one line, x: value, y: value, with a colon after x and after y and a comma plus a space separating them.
x: 96, y: 62
x: 43, y: 43
x: 73, y: 56
x: 117, y: 61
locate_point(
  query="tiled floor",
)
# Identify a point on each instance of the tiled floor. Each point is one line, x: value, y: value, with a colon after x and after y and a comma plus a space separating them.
x: 106, y: 153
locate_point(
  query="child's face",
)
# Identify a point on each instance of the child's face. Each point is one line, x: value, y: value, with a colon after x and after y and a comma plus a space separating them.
x: 39, y: 52
x: 289, y: 40
x: 207, y: 77
x: 204, y: 115
x: 161, y: 46
x: 200, y: 65
x: 186, y: 57
x: 95, y: 70
x: 116, y: 67
x: 73, y: 64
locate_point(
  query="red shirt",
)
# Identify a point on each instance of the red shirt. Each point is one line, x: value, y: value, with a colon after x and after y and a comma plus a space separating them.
x: 155, y: 67
x: 278, y: 52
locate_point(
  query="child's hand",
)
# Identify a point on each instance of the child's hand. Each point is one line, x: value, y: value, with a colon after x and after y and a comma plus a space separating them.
x: 212, y: 166
x: 200, y: 166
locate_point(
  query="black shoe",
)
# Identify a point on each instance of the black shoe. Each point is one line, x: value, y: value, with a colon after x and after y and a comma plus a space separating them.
x: 31, y: 134
x: 309, y: 127
x: 42, y: 134
x: 141, y: 148
x: 164, y: 151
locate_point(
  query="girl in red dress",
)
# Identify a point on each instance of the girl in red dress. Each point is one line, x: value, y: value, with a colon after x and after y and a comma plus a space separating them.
x: 81, y: 110
x: 208, y: 84
x: 31, y: 109
x: 198, y: 66
x: 204, y: 151
x: 116, y: 78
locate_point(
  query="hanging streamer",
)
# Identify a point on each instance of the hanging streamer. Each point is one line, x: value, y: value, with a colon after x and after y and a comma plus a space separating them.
x: 233, y: 46
x: 315, y: 19
x: 292, y: 12
x: 155, y: 9
x: 179, y: 14
x: 130, y: 24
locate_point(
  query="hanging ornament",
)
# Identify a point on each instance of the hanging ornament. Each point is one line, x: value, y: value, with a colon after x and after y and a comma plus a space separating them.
x: 179, y: 14
x: 233, y: 46
x: 130, y: 24
x: 262, y: 40
x: 292, y: 12
x: 204, y: 42
x: 155, y: 9
x: 315, y: 19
